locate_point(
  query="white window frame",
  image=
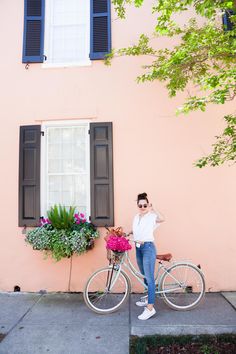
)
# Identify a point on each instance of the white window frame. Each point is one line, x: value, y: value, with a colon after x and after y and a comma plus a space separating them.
x: 46, y: 65
x: 44, y: 151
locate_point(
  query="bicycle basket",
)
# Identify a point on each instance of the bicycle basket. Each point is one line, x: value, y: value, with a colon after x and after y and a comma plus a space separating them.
x: 115, y: 257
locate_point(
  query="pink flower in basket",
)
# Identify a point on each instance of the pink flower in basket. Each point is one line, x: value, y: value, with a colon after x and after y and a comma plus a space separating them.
x: 118, y: 243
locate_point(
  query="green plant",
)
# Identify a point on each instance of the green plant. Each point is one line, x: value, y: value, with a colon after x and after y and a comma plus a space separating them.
x: 61, y: 218
x: 207, y: 349
x: 63, y: 234
x: 204, y: 344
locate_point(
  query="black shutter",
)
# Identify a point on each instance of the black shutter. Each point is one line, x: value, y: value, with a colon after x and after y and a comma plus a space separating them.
x: 29, y: 175
x: 33, y: 40
x: 100, y: 28
x: 101, y: 174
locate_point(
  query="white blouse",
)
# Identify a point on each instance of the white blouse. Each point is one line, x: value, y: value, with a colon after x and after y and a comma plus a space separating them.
x: 144, y: 226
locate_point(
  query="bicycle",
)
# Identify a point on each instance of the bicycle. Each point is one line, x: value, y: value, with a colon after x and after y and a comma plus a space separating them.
x: 181, y: 285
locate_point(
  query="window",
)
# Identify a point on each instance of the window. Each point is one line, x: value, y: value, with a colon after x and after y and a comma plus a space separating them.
x: 66, y: 31
x: 226, y: 19
x: 65, y: 172
x: 69, y: 163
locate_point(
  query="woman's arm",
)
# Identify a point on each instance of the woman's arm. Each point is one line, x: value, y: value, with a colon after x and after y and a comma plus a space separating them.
x: 159, y: 217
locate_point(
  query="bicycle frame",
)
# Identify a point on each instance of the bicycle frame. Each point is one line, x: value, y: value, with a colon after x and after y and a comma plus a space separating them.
x: 158, y: 277
x: 126, y: 262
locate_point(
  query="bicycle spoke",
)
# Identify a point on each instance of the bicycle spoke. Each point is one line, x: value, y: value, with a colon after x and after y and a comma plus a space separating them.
x: 106, y: 290
x: 97, y: 298
x: 183, y: 286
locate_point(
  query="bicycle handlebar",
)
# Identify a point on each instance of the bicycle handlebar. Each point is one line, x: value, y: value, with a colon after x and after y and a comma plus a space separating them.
x: 162, y: 257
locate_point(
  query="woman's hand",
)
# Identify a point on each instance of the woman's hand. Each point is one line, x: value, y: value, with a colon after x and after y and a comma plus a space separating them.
x: 151, y: 208
x: 160, y: 217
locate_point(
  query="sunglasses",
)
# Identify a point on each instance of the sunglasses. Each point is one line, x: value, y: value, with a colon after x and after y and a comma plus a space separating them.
x: 142, y: 206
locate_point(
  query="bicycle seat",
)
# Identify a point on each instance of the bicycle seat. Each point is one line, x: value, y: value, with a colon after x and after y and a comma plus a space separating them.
x: 164, y: 257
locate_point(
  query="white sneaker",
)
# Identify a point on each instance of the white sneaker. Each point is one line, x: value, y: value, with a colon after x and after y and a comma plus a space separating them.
x: 142, y: 302
x: 147, y: 314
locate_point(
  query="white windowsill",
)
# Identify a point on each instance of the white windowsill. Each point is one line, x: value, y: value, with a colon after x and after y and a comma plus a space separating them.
x: 66, y: 65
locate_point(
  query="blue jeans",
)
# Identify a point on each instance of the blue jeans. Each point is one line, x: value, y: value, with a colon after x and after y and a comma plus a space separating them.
x: 146, y: 259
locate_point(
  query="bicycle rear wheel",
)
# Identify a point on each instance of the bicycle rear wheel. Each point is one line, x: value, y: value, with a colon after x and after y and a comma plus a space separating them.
x: 183, y: 286
x: 106, y: 290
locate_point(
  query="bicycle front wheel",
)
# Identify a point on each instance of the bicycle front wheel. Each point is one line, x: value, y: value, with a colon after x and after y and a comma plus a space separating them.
x: 182, y: 286
x: 106, y: 290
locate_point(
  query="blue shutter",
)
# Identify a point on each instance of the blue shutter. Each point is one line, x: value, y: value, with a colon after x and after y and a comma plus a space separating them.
x: 228, y: 25
x: 100, y: 28
x: 33, y: 31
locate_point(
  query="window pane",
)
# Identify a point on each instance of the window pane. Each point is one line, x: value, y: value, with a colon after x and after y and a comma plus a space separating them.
x: 80, y: 190
x: 69, y: 44
x: 66, y: 151
x: 55, y: 198
x: 54, y: 165
x: 68, y: 12
x: 54, y: 150
x: 54, y: 183
x: 66, y: 134
x: 54, y: 135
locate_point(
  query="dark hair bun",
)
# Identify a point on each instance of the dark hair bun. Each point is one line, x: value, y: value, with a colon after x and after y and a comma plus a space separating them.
x: 142, y: 196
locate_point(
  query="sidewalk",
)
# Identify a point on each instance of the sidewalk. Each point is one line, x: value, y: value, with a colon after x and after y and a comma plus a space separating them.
x: 60, y: 323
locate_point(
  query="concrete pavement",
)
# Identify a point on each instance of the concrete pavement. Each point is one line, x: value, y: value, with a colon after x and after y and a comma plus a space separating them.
x: 61, y: 323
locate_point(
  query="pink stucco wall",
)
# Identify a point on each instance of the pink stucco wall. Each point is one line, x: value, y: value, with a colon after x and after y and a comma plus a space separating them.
x: 153, y: 152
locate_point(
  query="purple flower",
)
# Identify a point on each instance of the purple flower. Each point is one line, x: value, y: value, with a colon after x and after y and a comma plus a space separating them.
x: 44, y: 221
x: 79, y: 218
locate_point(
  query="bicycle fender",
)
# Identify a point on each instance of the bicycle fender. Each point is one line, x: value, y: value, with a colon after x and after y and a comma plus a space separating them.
x: 188, y: 263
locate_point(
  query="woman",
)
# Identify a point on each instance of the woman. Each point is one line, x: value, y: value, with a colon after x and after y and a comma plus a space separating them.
x: 144, y: 224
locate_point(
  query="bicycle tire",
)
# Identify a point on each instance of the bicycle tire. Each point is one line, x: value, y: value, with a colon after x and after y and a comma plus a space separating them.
x: 182, y: 294
x: 102, y: 300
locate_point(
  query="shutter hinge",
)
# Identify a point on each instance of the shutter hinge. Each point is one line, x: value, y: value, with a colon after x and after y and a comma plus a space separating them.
x: 24, y: 230
x: 89, y: 131
x: 89, y: 217
x: 42, y: 133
